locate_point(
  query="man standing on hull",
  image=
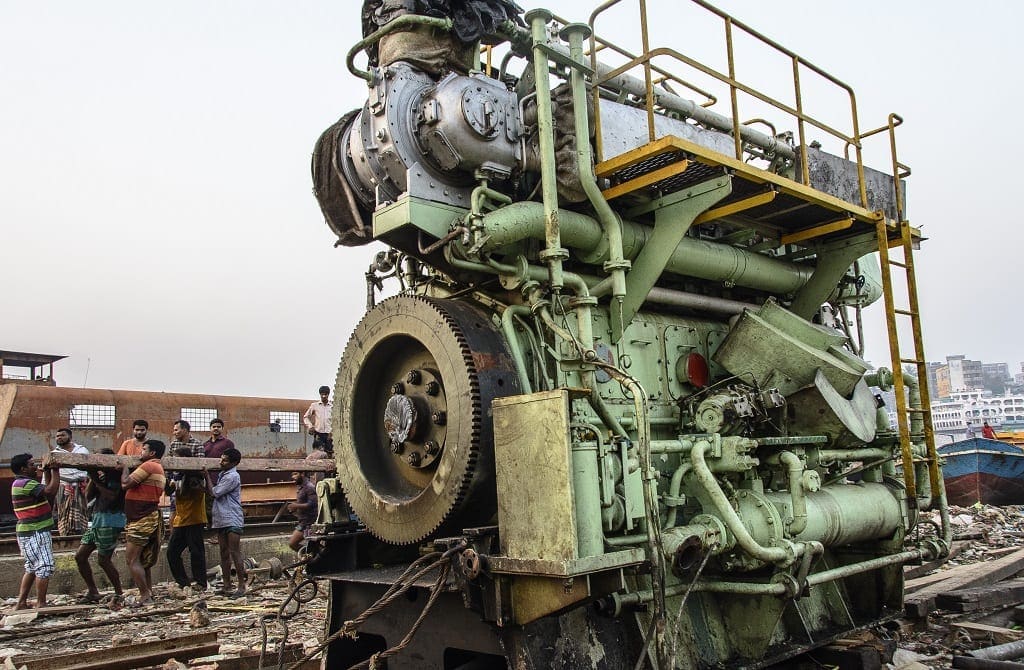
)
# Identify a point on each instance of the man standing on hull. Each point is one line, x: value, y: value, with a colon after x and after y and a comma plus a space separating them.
x: 318, y: 422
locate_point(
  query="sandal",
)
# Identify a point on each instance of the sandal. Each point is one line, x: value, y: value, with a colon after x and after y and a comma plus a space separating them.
x: 89, y: 599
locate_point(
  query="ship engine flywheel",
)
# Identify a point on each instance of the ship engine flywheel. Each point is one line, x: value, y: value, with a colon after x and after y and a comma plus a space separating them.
x: 412, y: 433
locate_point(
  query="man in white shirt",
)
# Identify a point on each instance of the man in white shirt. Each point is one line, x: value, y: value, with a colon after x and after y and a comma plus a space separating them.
x: 318, y: 422
x: 71, y: 505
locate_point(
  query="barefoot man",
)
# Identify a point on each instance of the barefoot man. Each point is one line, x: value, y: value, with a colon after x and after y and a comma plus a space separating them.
x: 143, y: 488
x: 35, y: 521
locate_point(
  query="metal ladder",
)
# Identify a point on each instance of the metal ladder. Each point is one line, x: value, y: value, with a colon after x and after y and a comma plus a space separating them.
x: 891, y: 234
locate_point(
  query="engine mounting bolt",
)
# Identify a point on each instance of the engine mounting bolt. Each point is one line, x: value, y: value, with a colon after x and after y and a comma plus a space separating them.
x: 398, y: 388
x: 414, y: 377
x: 381, y: 134
x: 414, y: 458
x: 397, y: 447
x: 439, y: 417
x: 433, y: 388
x: 431, y: 447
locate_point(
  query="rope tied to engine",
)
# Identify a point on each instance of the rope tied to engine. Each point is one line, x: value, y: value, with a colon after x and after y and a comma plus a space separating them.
x: 436, y: 560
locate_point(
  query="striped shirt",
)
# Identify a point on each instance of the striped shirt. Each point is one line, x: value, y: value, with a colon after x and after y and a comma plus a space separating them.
x: 30, y: 506
x: 144, y: 498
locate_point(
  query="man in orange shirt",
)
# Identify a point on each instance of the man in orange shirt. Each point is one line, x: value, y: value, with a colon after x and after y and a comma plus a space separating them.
x: 133, y: 445
x: 987, y: 432
x: 143, y: 488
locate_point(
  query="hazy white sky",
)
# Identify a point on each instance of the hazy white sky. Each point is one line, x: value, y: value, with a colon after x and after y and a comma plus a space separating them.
x: 158, y: 224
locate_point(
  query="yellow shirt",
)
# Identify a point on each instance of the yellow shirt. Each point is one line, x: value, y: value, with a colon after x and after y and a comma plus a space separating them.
x: 189, y: 507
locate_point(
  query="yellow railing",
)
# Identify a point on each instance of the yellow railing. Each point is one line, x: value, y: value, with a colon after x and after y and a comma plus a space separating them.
x: 796, y: 110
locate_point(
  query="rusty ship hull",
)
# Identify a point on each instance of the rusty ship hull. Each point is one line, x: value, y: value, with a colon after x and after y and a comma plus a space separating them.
x: 31, y: 414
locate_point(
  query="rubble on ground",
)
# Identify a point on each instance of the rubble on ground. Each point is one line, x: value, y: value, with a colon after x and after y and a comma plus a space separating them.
x: 261, y: 621
x: 958, y: 611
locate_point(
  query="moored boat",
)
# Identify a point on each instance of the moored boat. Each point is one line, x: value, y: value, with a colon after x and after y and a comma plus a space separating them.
x: 984, y: 471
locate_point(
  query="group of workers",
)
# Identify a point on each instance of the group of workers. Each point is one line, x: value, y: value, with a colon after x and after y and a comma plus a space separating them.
x: 101, y: 504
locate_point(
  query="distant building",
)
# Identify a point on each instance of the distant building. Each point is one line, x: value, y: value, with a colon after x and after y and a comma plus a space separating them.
x: 22, y: 367
x: 958, y: 373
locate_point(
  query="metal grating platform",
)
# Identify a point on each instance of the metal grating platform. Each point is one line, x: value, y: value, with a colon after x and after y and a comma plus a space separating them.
x: 793, y: 211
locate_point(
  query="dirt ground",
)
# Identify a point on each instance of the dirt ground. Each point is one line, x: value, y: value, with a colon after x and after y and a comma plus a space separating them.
x: 241, y: 624
x: 984, y: 533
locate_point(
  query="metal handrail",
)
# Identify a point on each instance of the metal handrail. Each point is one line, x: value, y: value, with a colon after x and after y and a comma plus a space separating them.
x: 854, y: 138
x: 601, y: 44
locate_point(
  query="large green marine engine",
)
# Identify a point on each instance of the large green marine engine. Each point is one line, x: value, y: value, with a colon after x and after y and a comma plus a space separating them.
x: 620, y: 386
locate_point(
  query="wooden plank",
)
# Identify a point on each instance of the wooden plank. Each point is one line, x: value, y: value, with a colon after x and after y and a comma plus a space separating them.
x: 982, y: 597
x: 860, y: 657
x: 139, y: 655
x: 56, y: 610
x: 109, y: 461
x: 917, y: 583
x: 922, y: 601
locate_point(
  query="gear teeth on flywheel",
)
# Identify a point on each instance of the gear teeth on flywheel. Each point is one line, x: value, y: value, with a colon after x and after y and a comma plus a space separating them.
x: 475, y: 418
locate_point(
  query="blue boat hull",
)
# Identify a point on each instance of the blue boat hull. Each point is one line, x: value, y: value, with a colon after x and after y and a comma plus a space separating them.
x: 985, y: 471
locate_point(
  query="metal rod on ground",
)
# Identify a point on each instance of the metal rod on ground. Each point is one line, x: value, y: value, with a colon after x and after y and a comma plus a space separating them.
x: 1000, y: 652
x: 969, y: 663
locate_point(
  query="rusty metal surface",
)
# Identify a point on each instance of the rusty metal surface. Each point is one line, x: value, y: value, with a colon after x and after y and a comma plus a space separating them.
x: 272, y: 492
x: 30, y: 416
x: 534, y: 476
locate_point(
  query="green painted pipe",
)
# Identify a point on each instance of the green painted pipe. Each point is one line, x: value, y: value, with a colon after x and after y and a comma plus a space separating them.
x: 778, y: 589
x: 693, y: 257
x: 673, y: 490
x: 783, y: 555
x: 403, y: 22
x: 553, y: 253
x: 616, y: 264
x: 844, y: 514
x: 795, y: 468
x: 586, y: 492
x: 509, y: 329
x: 866, y: 454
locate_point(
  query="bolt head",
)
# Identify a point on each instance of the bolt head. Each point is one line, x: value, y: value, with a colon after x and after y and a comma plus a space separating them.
x: 397, y: 447
x: 398, y: 388
x: 439, y: 417
x: 433, y: 388
x: 431, y: 447
x: 414, y: 377
x: 414, y: 458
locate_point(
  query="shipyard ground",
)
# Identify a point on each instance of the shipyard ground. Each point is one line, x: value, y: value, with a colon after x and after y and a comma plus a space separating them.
x: 979, y: 595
